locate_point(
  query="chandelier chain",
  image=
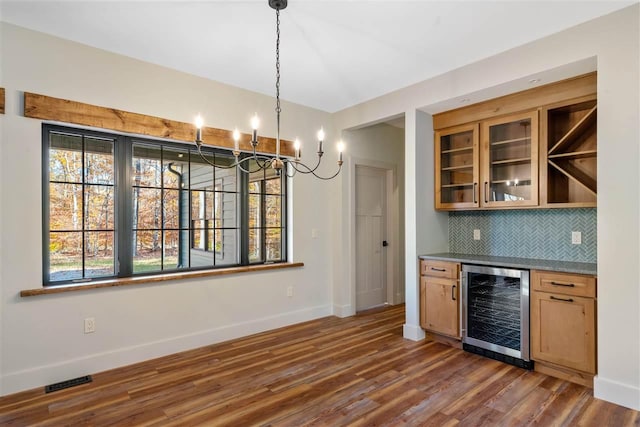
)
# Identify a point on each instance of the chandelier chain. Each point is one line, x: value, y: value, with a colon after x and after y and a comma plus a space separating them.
x: 278, y: 109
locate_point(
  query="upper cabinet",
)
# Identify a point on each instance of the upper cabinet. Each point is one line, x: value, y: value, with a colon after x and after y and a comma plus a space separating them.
x: 535, y: 148
x: 510, y: 161
x: 457, y: 174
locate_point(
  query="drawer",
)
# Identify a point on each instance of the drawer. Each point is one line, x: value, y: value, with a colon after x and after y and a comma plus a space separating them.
x: 563, y: 283
x: 444, y: 269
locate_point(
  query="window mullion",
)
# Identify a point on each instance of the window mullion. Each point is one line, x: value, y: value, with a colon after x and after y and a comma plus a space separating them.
x: 124, y: 207
x: 244, y: 216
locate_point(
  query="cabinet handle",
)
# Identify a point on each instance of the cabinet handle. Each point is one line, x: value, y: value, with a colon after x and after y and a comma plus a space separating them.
x: 438, y: 269
x: 453, y: 289
x: 561, y: 299
x: 475, y: 192
x: 486, y: 192
x: 568, y: 285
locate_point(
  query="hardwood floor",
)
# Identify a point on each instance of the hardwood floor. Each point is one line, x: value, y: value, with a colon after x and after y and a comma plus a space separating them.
x: 356, y: 371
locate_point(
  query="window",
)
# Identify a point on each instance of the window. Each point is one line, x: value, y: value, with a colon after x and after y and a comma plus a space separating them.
x: 118, y: 206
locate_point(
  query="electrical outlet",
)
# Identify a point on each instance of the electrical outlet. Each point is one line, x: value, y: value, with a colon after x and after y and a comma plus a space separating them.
x: 576, y: 237
x: 89, y: 325
x: 290, y: 291
x: 476, y: 234
x: 314, y: 233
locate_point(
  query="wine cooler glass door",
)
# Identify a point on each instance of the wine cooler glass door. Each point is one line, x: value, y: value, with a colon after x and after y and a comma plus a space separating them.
x: 497, y: 310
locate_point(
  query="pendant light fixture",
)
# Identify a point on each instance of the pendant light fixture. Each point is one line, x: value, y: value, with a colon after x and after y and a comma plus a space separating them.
x: 277, y: 163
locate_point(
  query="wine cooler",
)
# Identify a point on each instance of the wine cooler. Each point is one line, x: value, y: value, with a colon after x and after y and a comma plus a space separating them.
x: 495, y: 313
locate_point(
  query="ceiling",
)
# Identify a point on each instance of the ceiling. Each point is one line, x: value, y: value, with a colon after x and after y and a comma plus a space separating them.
x: 334, y: 54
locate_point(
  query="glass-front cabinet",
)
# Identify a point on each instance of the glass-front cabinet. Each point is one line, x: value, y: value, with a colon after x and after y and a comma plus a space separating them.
x: 457, y: 163
x: 510, y: 161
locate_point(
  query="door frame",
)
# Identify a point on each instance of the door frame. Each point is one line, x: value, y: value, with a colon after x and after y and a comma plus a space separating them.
x: 393, y: 279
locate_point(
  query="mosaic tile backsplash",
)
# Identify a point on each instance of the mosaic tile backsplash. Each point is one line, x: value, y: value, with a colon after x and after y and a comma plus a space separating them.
x: 535, y: 233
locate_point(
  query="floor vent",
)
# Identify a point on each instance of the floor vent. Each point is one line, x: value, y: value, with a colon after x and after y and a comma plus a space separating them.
x: 68, y: 383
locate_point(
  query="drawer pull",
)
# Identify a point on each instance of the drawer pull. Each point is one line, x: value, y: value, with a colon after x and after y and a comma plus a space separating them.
x: 561, y: 299
x: 568, y: 285
x: 438, y: 269
x: 453, y: 289
x: 475, y: 191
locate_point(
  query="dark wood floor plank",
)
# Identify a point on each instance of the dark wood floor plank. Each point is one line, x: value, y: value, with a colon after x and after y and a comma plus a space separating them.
x: 325, y: 372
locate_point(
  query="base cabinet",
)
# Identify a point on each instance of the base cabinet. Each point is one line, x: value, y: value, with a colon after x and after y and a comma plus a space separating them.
x: 563, y: 322
x: 440, y: 298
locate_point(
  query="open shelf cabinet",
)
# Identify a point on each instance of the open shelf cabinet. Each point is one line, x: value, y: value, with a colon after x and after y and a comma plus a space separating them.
x: 568, y: 166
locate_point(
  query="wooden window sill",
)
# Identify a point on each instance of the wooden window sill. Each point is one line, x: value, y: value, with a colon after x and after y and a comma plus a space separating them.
x: 72, y: 287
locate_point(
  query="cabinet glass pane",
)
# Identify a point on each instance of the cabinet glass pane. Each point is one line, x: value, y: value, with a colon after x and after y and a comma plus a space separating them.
x: 456, y: 168
x: 510, y: 161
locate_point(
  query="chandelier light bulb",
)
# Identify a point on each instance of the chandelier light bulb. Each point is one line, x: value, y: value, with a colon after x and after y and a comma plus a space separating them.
x: 199, y: 124
x: 340, y: 147
x: 296, y: 146
x: 236, y: 135
x: 321, y: 135
x: 255, y: 122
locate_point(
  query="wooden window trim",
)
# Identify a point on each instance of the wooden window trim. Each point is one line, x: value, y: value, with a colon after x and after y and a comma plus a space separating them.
x: 1, y: 100
x: 129, y: 281
x: 63, y: 110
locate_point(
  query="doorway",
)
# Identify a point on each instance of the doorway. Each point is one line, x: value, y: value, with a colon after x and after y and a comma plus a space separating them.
x: 371, y: 236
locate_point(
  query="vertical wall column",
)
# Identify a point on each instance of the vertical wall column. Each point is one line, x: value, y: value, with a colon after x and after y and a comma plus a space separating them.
x: 425, y: 229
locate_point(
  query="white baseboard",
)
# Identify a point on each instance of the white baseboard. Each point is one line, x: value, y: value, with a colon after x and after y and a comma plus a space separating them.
x: 616, y: 392
x: 343, y: 310
x: 413, y: 332
x: 48, y: 374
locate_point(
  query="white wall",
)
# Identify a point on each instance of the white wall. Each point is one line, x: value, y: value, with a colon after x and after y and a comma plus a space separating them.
x: 614, y: 41
x: 381, y: 146
x: 42, y: 337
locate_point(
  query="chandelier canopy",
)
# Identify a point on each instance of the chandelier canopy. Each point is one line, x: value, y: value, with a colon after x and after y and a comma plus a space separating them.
x: 278, y: 164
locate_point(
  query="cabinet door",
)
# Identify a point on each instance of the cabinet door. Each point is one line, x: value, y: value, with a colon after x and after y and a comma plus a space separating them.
x: 509, y: 161
x: 563, y: 330
x: 440, y: 308
x: 457, y: 162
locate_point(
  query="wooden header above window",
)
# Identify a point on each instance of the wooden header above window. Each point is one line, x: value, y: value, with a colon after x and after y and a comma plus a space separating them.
x: 62, y: 110
x: 1, y: 100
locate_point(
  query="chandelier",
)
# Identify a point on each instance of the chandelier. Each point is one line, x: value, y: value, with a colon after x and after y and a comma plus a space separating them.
x: 278, y: 164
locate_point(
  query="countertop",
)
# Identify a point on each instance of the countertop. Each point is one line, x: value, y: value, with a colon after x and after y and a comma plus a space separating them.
x: 524, y: 263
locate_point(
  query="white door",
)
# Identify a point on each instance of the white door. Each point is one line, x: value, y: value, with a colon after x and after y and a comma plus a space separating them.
x: 371, y: 261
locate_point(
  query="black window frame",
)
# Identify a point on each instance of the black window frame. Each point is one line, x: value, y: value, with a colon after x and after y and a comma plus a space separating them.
x: 123, y: 207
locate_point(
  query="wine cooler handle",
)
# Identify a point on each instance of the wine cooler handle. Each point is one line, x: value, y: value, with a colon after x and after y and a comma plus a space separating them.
x: 453, y: 290
x: 569, y: 285
x: 475, y: 193
x: 561, y: 299
x: 438, y: 269
x: 486, y: 192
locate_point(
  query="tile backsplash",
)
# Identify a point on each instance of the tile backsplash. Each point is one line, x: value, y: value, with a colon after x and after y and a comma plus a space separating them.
x: 535, y: 233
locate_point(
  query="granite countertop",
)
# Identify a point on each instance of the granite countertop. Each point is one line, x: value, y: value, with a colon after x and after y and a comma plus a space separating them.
x: 524, y: 263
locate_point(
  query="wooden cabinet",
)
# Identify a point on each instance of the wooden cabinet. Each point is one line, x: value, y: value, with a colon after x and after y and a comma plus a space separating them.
x: 509, y: 161
x: 535, y: 148
x: 457, y: 167
x: 440, y: 297
x: 568, y: 161
x: 563, y: 325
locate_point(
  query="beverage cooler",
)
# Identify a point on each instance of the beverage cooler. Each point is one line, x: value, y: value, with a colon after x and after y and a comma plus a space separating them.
x: 495, y: 313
